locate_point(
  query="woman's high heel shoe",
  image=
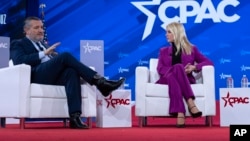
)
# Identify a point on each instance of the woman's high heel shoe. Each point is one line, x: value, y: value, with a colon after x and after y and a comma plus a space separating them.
x: 180, y: 125
x: 195, y: 115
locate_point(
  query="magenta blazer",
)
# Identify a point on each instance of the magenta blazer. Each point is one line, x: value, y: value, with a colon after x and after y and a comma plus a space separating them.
x: 165, y: 62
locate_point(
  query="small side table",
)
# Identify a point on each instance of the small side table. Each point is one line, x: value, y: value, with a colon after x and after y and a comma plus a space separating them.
x: 234, y: 106
x: 114, y: 110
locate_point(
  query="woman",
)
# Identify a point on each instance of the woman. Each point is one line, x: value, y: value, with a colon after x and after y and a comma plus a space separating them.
x: 175, y: 66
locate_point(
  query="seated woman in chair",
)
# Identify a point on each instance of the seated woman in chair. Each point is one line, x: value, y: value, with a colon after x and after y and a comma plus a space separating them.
x: 175, y: 67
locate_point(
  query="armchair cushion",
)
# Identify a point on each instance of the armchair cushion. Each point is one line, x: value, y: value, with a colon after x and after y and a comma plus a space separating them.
x: 160, y: 90
x: 53, y: 91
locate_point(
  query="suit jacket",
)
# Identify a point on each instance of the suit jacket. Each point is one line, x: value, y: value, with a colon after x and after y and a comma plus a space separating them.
x: 195, y: 58
x: 23, y: 51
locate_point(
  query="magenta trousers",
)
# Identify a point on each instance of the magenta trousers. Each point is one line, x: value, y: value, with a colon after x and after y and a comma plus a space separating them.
x: 179, y: 88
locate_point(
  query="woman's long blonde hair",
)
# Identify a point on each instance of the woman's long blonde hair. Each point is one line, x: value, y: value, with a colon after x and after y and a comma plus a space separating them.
x: 180, y: 38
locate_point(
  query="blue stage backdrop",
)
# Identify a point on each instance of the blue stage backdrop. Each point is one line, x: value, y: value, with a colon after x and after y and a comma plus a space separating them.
x: 12, y: 12
x: 134, y: 30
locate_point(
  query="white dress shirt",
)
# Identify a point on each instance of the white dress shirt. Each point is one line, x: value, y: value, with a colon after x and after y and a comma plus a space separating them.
x: 42, y: 55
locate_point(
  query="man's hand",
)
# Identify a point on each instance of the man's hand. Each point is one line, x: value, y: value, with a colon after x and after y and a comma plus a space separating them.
x: 51, y: 49
x: 189, y: 68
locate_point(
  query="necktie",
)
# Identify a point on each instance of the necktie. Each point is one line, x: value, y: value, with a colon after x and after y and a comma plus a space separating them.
x: 40, y: 48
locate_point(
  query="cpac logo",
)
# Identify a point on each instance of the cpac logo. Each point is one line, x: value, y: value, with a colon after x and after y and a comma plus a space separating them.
x: 114, y: 102
x: 142, y: 62
x: 223, y: 76
x: 234, y: 100
x: 121, y: 55
x: 90, y: 48
x: 205, y: 53
x: 244, y: 52
x: 204, y: 11
x: 223, y: 61
x: 3, y: 45
x: 244, y: 68
x: 121, y: 70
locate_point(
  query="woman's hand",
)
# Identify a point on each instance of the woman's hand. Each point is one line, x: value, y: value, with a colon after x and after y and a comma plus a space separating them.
x: 189, y: 68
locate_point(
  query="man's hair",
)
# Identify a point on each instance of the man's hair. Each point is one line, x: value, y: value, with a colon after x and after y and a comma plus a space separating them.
x: 28, y: 19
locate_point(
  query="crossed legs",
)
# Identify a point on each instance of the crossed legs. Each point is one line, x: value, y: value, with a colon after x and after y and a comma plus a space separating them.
x: 179, y: 88
x: 65, y: 70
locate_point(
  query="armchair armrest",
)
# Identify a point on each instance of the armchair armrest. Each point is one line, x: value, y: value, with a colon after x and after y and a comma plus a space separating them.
x: 208, y: 77
x: 89, y: 104
x: 14, y: 86
x: 141, y: 80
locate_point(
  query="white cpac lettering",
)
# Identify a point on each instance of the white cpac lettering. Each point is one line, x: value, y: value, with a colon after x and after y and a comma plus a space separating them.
x: 89, y: 48
x: 205, y: 11
x: 3, y: 45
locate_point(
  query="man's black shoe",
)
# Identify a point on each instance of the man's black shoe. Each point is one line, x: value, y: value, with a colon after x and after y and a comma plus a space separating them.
x: 107, y: 86
x: 75, y: 122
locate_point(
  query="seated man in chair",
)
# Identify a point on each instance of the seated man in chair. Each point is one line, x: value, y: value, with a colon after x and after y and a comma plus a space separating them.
x: 48, y: 67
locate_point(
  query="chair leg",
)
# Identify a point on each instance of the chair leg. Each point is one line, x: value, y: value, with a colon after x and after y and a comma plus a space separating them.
x: 3, y: 121
x: 89, y: 121
x: 209, y: 121
x: 22, y: 123
x: 145, y: 121
x: 142, y: 121
x: 65, y: 122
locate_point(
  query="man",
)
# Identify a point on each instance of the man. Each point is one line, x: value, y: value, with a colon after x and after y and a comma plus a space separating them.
x: 48, y: 67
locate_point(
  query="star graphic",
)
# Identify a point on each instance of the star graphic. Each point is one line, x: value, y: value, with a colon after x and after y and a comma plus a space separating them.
x: 151, y: 16
x: 222, y: 76
x: 120, y: 70
x: 243, y: 68
x: 226, y: 99
x: 109, y: 101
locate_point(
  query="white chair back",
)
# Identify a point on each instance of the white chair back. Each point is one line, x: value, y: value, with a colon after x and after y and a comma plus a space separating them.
x: 154, y: 76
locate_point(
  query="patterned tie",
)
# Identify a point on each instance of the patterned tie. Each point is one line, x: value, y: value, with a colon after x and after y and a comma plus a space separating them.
x: 40, y: 48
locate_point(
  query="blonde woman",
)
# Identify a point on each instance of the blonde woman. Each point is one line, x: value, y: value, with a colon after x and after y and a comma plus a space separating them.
x: 175, y: 67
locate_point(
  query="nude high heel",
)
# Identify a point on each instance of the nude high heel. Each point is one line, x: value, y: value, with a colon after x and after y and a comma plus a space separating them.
x: 180, y: 125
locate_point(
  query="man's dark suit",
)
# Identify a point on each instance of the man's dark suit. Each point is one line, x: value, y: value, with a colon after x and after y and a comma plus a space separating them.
x: 62, y: 69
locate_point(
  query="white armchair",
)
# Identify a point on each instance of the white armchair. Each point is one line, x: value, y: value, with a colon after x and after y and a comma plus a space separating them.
x: 152, y: 100
x: 19, y: 98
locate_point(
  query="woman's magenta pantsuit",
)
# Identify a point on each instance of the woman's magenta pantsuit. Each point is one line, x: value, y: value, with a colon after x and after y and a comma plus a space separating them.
x: 176, y: 78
